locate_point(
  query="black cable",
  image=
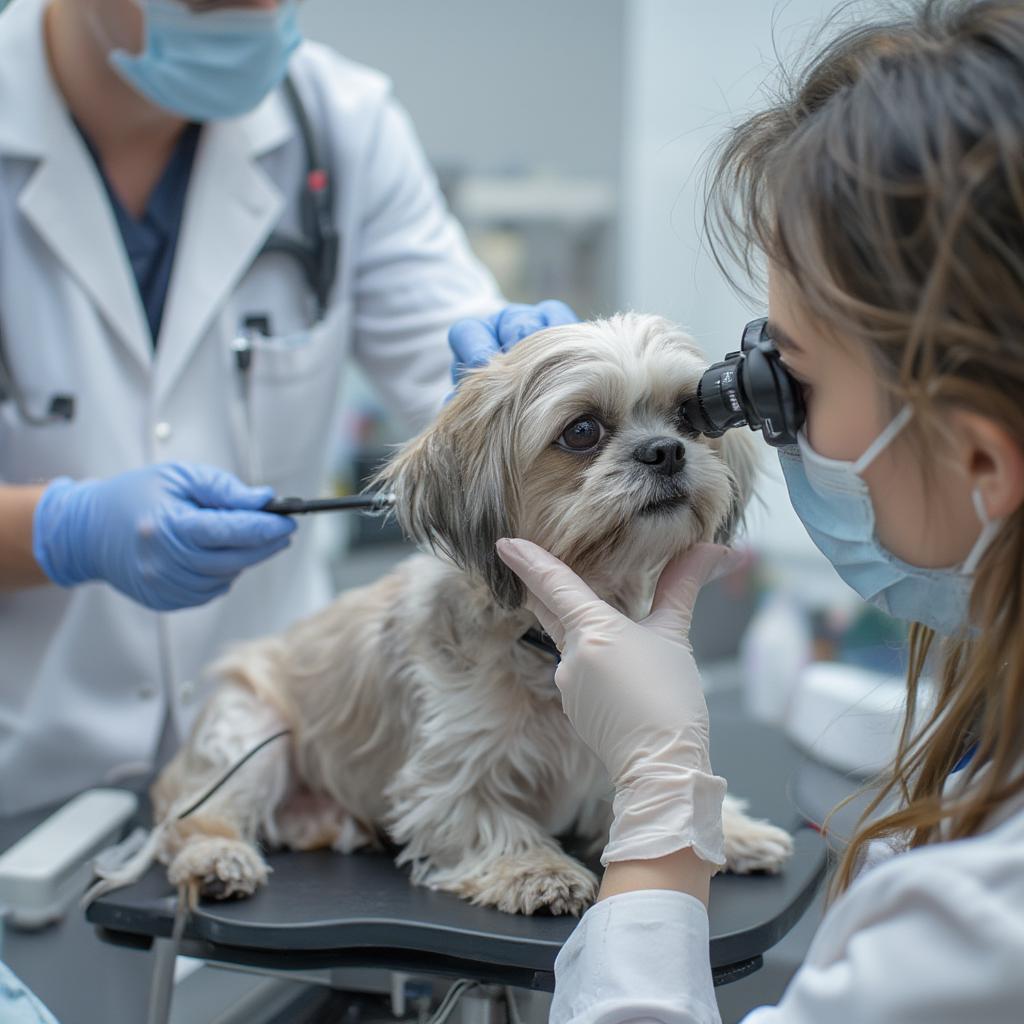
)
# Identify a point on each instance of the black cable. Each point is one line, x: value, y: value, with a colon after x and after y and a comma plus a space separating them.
x: 231, y: 771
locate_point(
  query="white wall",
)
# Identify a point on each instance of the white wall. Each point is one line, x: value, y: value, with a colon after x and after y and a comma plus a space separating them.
x: 494, y: 87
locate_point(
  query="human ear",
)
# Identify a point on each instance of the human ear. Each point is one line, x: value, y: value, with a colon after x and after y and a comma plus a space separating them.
x: 993, y: 460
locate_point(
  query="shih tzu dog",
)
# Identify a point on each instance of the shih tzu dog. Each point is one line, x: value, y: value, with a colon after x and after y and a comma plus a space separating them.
x: 421, y: 710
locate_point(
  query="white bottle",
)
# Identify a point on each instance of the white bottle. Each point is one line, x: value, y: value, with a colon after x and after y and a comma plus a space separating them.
x: 773, y: 652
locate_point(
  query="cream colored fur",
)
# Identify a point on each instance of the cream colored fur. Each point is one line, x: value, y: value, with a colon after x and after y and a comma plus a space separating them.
x: 416, y: 712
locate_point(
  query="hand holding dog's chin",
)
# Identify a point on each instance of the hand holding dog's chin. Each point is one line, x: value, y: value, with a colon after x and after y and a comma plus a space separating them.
x: 633, y: 693
x: 559, y: 599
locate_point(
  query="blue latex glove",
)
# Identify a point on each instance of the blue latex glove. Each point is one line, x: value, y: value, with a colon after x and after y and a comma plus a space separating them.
x: 475, y: 342
x: 169, y: 536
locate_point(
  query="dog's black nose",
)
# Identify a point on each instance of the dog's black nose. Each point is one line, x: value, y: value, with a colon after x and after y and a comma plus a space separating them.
x: 664, y: 455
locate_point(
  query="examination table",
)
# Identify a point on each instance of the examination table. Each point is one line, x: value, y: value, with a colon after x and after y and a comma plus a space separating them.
x: 324, y: 911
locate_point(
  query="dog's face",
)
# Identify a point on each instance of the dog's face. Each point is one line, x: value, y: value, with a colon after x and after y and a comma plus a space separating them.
x: 573, y: 439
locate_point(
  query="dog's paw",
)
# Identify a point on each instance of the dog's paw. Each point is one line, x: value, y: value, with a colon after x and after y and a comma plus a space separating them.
x: 527, y: 883
x: 222, y: 867
x: 755, y: 845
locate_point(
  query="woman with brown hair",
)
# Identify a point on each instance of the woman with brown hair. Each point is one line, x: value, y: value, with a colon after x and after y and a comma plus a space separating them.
x: 885, y: 195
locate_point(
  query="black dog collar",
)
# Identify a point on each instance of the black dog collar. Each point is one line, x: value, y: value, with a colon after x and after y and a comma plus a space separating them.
x: 541, y: 641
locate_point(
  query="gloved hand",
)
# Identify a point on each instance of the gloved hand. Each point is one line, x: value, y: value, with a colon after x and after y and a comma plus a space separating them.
x: 475, y: 342
x: 633, y: 693
x: 169, y: 536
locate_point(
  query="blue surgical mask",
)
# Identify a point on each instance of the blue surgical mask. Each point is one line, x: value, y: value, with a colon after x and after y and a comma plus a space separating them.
x: 834, y: 504
x: 207, y: 66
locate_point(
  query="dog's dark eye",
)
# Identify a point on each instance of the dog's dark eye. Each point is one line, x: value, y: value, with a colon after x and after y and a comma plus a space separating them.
x: 582, y: 435
x: 683, y: 424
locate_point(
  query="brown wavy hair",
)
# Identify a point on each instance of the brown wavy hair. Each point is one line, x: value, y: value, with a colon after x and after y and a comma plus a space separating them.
x: 887, y: 181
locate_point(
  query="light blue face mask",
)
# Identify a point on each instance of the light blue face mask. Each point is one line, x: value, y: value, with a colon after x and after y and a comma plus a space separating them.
x: 834, y: 504
x: 207, y: 66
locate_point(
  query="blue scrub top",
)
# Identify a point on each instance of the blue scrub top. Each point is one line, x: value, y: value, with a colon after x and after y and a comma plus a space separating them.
x: 152, y: 240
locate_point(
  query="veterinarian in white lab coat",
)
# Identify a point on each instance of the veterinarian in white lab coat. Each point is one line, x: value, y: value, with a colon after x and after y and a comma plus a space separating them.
x: 149, y: 155
x: 887, y: 193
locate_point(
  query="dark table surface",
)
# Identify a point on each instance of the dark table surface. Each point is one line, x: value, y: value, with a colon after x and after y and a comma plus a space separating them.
x: 324, y: 909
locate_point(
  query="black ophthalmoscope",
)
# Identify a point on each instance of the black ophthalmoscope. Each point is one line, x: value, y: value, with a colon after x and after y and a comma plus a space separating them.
x: 750, y: 388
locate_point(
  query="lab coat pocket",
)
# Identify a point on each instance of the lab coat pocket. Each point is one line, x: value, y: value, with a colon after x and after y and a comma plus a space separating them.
x: 288, y: 357
x: 294, y: 391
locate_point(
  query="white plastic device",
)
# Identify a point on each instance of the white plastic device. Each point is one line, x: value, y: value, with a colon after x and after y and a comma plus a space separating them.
x: 775, y: 648
x: 44, y: 872
x: 847, y: 717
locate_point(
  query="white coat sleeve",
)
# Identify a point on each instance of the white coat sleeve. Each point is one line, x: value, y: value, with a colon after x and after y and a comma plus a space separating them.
x: 415, y: 274
x: 913, y: 941
x: 638, y: 956
x: 909, y: 943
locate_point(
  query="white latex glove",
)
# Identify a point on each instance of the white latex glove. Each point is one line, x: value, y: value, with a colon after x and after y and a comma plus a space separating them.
x: 633, y: 693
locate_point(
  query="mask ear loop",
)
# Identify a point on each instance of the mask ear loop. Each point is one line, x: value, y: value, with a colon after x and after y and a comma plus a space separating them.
x: 884, y: 439
x: 989, y: 529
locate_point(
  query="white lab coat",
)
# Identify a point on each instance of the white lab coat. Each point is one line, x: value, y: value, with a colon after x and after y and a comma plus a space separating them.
x: 86, y: 675
x: 931, y: 936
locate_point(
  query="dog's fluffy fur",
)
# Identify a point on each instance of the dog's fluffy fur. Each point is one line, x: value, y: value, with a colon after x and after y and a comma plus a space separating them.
x: 416, y: 712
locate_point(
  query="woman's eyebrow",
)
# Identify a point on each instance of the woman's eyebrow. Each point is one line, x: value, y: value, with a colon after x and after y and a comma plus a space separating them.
x: 782, y: 340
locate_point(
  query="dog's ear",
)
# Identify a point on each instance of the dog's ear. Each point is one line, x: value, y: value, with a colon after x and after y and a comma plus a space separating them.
x: 456, y: 489
x: 741, y: 455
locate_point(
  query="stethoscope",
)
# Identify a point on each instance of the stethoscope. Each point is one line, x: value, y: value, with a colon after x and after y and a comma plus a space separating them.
x: 317, y: 252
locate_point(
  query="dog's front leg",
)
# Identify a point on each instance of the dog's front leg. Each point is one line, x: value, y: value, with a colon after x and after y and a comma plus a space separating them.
x: 215, y: 846
x: 461, y: 833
